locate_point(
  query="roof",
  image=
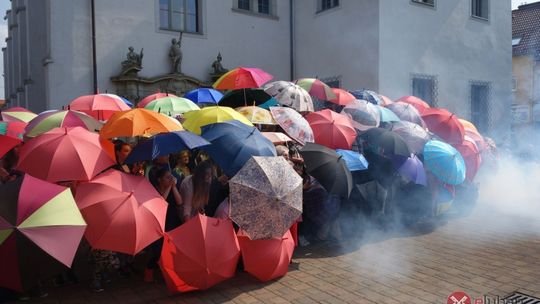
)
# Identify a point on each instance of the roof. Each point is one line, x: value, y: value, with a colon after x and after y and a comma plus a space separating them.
x: 526, y: 25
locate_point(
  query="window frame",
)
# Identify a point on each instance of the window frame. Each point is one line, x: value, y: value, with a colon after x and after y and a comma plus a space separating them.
x: 477, y: 17
x: 334, y: 5
x: 517, y: 39
x: 185, y: 14
x: 254, y: 9
x: 488, y: 86
x: 434, y: 90
x: 422, y: 3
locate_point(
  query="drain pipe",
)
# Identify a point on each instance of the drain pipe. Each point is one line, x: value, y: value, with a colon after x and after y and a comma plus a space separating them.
x: 291, y: 37
x: 94, y: 63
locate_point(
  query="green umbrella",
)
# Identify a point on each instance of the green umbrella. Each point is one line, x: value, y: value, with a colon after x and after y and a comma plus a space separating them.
x: 172, y: 105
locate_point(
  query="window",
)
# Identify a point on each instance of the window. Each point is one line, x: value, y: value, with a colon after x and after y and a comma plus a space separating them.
x: 323, y: 5
x: 480, y: 93
x: 244, y: 4
x: 514, y: 84
x: 426, y: 2
x: 179, y: 15
x: 516, y: 41
x: 425, y: 88
x: 264, y: 7
x: 479, y: 8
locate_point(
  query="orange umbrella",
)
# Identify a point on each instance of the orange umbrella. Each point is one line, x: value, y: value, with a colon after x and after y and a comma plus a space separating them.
x: 199, y: 254
x: 266, y: 259
x: 242, y: 78
x: 99, y: 106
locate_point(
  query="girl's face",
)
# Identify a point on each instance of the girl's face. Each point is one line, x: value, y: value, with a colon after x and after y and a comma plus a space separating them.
x: 165, y: 179
x: 123, y: 153
x: 184, y: 158
x: 208, y: 175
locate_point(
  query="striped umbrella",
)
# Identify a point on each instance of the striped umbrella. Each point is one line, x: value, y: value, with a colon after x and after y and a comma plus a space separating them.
x: 316, y: 88
x: 49, y: 120
x: 18, y: 114
x: 148, y: 99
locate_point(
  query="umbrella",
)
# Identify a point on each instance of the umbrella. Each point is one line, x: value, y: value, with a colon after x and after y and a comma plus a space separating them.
x: 290, y: 95
x: 17, y: 114
x: 467, y: 125
x: 266, y: 259
x: 293, y: 124
x: 385, y: 142
x: 7, y: 143
x: 172, y: 105
x: 277, y: 137
x: 40, y: 226
x: 364, y: 115
x: 211, y: 115
x: 64, y: 154
x: 137, y: 122
x: 385, y: 100
x: 153, y: 97
x: 406, y: 112
x: 445, y: 162
x: 477, y: 138
x: 367, y: 95
x: 244, y: 97
x: 354, y: 160
x: 234, y: 143
x: 265, y: 197
x: 416, y: 102
x: 164, y: 144
x: 199, y: 254
x: 471, y: 156
x: 387, y: 115
x: 127, y: 102
x: 257, y: 115
x: 204, y: 96
x: 373, y: 196
x: 444, y: 124
x: 99, y: 106
x: 342, y: 97
x: 242, y: 78
x: 328, y: 168
x: 124, y: 212
x: 13, y: 129
x: 272, y: 102
x: 414, y: 135
x: 331, y: 129
x: 316, y: 88
x: 411, y: 169
x: 49, y: 120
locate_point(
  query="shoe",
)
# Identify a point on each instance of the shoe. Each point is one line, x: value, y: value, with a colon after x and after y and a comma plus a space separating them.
x: 24, y: 297
x: 149, y: 275
x: 302, y: 241
x: 97, y: 287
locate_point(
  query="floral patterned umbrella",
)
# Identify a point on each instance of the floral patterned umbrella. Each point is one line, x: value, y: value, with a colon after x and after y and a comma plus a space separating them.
x: 293, y: 124
x: 290, y: 95
x: 363, y: 114
x: 368, y: 95
x: 257, y: 115
x: 265, y: 197
x: 414, y: 135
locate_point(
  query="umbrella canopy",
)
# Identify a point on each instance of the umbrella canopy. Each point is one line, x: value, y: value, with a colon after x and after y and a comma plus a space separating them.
x: 411, y: 169
x: 277, y: 137
x: 406, y: 112
x: 265, y: 197
x: 272, y: 102
x: 471, y: 156
x: 445, y: 124
x: 367, y: 95
x: 99, y: 106
x: 64, y: 154
x: 316, y: 88
x: 172, y: 105
x: 234, y: 143
x: 124, y: 212
x: 467, y: 125
x: 148, y: 99
x: 416, y: 102
x: 266, y: 259
x: 204, y: 96
x: 385, y: 100
x: 211, y: 115
x: 290, y: 95
x: 331, y: 129
x: 257, y: 115
x: 242, y: 78
x: 445, y: 162
x: 137, y: 122
x: 40, y: 225
x: 199, y: 254
x: 328, y: 168
x: 342, y: 97
x: 49, y: 120
x: 296, y: 126
x: 244, y: 98
x: 364, y: 115
x: 414, y: 135
x: 13, y: 129
x: 19, y: 114
x: 165, y: 144
x: 385, y: 142
x: 477, y: 138
x: 354, y: 160
x: 7, y: 143
x: 387, y: 115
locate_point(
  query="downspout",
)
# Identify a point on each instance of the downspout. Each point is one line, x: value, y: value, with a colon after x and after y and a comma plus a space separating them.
x: 291, y: 37
x: 94, y: 64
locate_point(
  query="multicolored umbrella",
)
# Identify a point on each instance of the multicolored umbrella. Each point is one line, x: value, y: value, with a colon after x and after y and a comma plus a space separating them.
x: 211, y: 115
x: 199, y: 254
x: 137, y: 122
x: 242, y: 78
x: 368, y: 95
x: 99, y: 106
x: 387, y: 115
x: 148, y: 99
x: 234, y: 143
x: 64, y: 154
x: 265, y: 197
x: 406, y: 112
x: 277, y: 137
x: 296, y: 126
x: 445, y: 124
x: 19, y: 114
x: 124, y: 212
x: 257, y: 115
x: 244, y: 98
x: 13, y: 129
x: 266, y: 259
x: 290, y: 95
x: 445, y: 162
x: 354, y: 160
x: 342, y: 97
x: 316, y: 88
x: 331, y: 129
x: 204, y: 96
x: 364, y: 115
x: 414, y: 135
x: 172, y: 105
x: 7, y: 143
x: 49, y: 120
x: 416, y: 102
x: 40, y: 226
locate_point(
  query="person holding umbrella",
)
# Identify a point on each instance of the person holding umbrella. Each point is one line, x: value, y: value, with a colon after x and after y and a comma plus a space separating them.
x: 195, y: 190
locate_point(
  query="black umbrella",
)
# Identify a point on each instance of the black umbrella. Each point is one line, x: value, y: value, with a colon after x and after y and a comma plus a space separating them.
x: 244, y: 98
x: 328, y: 168
x: 374, y: 197
x: 385, y: 142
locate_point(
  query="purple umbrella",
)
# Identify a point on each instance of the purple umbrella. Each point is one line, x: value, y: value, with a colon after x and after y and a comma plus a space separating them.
x: 411, y: 169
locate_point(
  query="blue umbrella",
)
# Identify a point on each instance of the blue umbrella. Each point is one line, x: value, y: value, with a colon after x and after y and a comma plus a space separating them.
x: 272, y: 102
x: 368, y: 96
x: 445, y: 162
x: 204, y: 95
x: 412, y: 169
x: 234, y: 143
x: 165, y: 143
x: 129, y: 103
x: 387, y: 115
x: 354, y: 160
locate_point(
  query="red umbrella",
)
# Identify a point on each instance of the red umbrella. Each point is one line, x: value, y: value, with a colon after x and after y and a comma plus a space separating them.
x: 64, y: 154
x: 471, y: 155
x: 7, y: 143
x: 124, y: 212
x: 99, y: 106
x: 342, y: 97
x: 418, y: 103
x: 13, y: 129
x: 444, y: 124
x: 199, y: 254
x: 266, y: 259
x: 148, y: 99
x: 331, y: 129
x: 242, y: 78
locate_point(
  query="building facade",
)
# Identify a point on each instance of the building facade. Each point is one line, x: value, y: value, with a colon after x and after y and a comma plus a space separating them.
x: 454, y: 54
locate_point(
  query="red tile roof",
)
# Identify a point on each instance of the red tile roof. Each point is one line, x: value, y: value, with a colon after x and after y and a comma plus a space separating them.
x: 526, y: 25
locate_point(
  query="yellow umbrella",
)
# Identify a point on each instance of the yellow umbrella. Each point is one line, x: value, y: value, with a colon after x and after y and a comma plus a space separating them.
x: 257, y: 115
x: 210, y: 115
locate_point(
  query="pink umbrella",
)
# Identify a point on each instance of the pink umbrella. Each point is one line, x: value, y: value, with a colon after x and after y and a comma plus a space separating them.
x: 342, y: 97
x: 99, y: 106
x: 148, y: 99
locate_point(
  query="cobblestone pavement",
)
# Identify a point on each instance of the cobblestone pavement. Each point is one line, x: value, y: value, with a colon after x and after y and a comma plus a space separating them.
x: 484, y: 253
